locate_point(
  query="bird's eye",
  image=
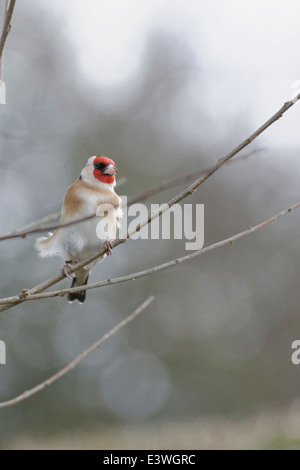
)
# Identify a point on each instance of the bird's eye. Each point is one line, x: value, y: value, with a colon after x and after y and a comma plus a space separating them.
x: 99, y: 165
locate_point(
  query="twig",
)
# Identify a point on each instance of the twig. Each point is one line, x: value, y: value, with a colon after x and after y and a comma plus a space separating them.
x: 86, y: 352
x: 189, y: 190
x: 152, y: 270
x: 11, y: 236
x: 6, y: 27
x: 184, y: 179
x: 5, y: 15
x: 35, y: 223
x: 23, y: 232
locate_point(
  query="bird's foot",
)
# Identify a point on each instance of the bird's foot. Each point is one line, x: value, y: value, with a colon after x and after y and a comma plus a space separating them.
x: 107, y: 245
x: 68, y: 271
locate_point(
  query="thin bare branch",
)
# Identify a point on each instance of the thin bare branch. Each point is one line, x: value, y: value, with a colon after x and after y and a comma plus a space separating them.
x: 146, y: 272
x: 6, y: 26
x: 183, y: 194
x: 79, y: 358
x: 35, y: 223
x: 11, y: 236
x: 185, y: 179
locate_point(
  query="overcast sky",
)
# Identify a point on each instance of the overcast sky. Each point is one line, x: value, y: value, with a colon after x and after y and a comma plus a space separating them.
x: 253, y: 41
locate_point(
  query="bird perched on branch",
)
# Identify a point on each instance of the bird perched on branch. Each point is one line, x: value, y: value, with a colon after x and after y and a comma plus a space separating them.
x: 93, y: 189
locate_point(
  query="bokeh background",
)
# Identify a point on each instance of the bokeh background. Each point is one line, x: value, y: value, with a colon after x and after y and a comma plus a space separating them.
x: 164, y: 88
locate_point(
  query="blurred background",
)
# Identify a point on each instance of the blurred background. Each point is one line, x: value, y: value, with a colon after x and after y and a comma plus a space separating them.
x: 164, y: 88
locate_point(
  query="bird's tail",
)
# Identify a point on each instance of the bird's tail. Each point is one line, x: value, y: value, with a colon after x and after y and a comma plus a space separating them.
x: 47, y: 246
x: 80, y: 295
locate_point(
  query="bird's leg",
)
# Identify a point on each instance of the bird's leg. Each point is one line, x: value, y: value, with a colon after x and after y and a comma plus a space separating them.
x: 108, y: 247
x: 67, y: 270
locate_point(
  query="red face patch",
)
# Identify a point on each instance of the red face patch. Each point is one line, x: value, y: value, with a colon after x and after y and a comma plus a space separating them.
x: 109, y: 179
x: 104, y: 160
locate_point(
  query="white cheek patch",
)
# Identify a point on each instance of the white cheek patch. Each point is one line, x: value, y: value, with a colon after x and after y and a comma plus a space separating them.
x: 91, y: 160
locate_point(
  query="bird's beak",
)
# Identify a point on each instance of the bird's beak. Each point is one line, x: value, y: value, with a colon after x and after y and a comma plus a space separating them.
x: 110, y: 169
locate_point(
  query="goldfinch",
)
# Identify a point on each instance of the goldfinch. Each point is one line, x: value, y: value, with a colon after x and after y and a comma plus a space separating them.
x: 94, y: 188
